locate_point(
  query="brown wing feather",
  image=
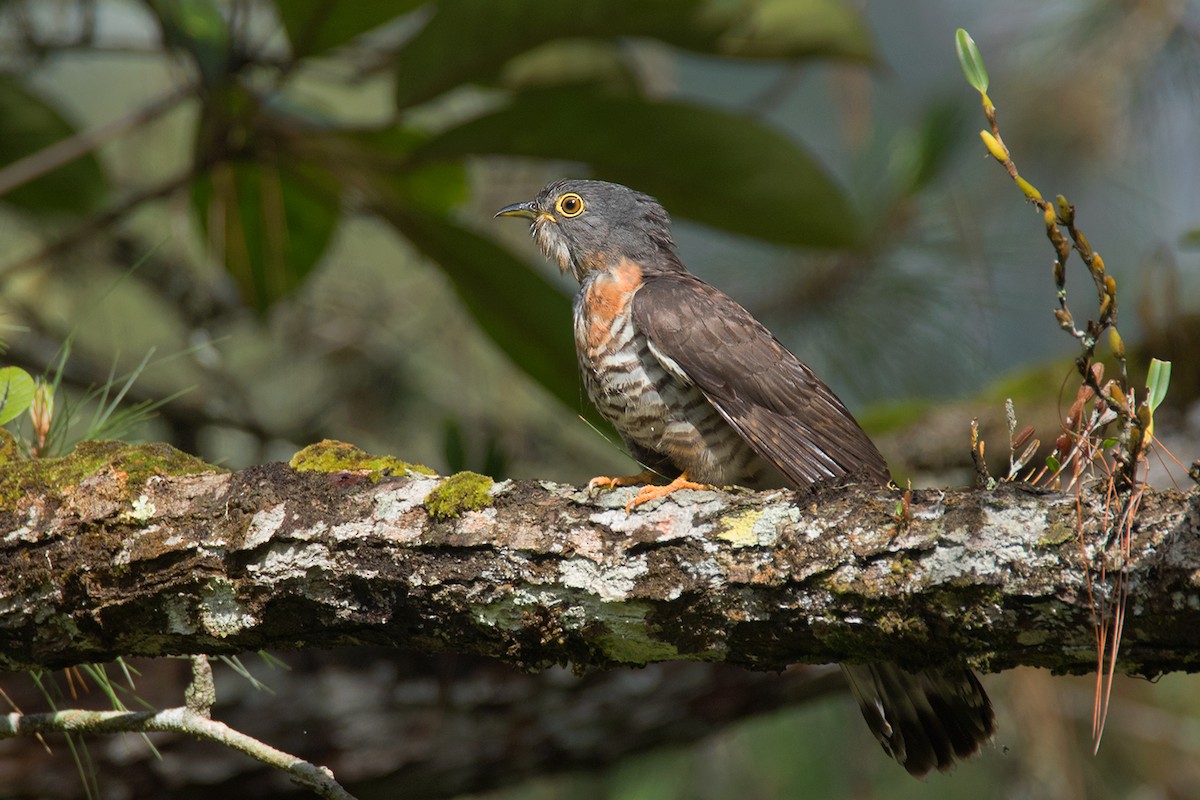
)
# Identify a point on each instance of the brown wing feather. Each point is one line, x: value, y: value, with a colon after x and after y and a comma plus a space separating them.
x: 771, y: 399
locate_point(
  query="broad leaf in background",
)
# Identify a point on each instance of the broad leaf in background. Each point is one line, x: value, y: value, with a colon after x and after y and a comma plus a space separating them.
x: 716, y: 168
x: 16, y: 393
x: 198, y: 28
x: 573, y: 62
x: 468, y: 41
x: 268, y: 222
x: 374, y: 163
x: 792, y: 28
x: 28, y: 125
x: 524, y: 313
x: 316, y: 26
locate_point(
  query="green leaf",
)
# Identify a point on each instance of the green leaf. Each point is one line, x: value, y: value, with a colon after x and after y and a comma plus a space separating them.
x: 524, y: 313
x: 971, y: 60
x: 16, y: 393
x: 573, y: 62
x: 433, y: 187
x: 197, y: 28
x: 316, y: 26
x: 728, y: 171
x: 468, y: 41
x: 268, y: 222
x: 376, y: 161
x: 28, y: 125
x: 1157, y: 381
x: 791, y: 28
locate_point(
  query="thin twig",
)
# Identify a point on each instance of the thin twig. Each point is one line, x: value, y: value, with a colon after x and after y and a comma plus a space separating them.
x: 174, y: 720
x: 48, y: 159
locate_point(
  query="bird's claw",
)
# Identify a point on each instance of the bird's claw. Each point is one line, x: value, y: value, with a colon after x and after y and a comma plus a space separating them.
x: 605, y: 482
x: 649, y: 493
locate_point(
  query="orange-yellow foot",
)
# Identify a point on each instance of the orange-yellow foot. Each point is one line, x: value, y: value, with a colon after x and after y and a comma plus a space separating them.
x: 605, y: 482
x: 649, y: 493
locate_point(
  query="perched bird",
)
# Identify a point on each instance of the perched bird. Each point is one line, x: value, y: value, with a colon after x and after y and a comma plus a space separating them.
x: 702, y: 393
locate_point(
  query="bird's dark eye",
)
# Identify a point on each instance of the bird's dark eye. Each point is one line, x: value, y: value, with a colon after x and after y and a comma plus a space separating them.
x: 569, y: 205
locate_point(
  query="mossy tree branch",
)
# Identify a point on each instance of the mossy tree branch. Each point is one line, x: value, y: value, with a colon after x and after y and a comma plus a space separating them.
x: 134, y: 563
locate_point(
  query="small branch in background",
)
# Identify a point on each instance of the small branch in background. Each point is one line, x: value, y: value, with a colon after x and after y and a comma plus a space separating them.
x: 201, y: 694
x: 193, y: 719
x: 174, y: 720
x: 57, y: 155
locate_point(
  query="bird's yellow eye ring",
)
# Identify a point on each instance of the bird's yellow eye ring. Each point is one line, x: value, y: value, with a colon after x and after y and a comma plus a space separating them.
x: 569, y: 205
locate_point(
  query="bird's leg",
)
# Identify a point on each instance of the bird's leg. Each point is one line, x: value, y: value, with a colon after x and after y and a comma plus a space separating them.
x: 654, y: 492
x: 605, y: 482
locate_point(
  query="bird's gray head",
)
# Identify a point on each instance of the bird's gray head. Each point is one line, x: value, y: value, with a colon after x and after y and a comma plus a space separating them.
x: 585, y: 226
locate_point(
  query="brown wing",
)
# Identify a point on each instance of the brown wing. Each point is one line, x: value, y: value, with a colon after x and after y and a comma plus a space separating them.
x: 771, y: 399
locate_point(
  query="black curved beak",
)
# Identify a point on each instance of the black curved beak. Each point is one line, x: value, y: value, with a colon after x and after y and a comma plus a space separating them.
x: 526, y: 210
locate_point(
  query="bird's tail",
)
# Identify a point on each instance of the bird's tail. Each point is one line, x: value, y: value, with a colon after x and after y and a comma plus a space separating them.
x: 924, y: 719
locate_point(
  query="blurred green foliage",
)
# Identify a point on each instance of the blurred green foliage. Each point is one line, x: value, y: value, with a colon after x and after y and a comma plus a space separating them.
x: 270, y: 177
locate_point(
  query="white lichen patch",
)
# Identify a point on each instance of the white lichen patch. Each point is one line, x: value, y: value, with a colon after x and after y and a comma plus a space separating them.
x: 290, y: 560
x: 27, y: 532
x: 264, y: 525
x: 220, y: 613
x: 360, y: 529
x: 1013, y: 534
x: 142, y: 509
x: 813, y: 528
x: 1021, y: 525
x: 315, y: 531
x: 667, y: 520
x: 398, y: 499
x: 609, y: 582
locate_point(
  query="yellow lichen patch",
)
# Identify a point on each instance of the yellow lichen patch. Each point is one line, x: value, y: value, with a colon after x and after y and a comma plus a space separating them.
x: 738, y: 529
x: 129, y: 466
x: 334, y: 456
x: 754, y: 527
x: 465, y: 491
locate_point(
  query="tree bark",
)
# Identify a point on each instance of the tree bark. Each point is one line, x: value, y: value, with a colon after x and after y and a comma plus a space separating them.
x: 127, y: 562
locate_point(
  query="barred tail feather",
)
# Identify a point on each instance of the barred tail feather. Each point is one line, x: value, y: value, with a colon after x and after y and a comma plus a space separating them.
x: 924, y: 720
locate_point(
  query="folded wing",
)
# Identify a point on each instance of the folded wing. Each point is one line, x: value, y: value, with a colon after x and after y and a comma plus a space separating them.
x: 776, y: 403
